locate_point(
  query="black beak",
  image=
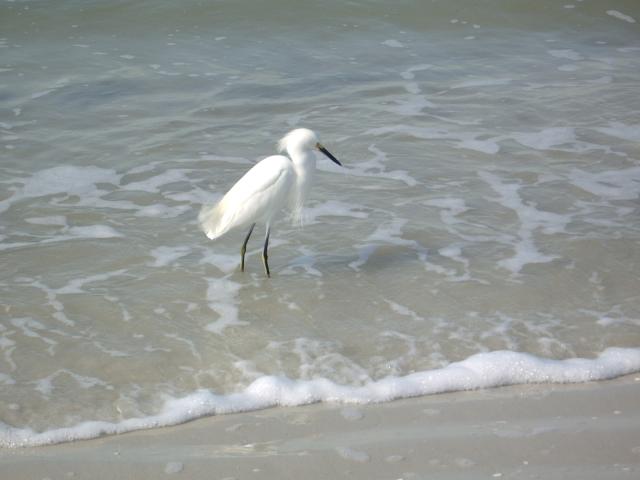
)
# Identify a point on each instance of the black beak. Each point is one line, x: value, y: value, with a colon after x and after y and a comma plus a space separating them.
x: 328, y: 154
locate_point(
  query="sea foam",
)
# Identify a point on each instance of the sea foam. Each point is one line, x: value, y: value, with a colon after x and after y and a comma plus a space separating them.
x: 482, y: 370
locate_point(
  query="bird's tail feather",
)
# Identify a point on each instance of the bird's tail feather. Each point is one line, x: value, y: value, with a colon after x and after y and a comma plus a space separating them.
x: 211, y: 222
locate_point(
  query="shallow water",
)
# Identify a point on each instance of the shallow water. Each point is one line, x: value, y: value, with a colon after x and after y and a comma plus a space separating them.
x: 489, y: 201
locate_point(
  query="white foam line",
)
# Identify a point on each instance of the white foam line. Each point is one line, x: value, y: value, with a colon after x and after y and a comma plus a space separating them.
x: 305, y: 261
x: 481, y: 82
x: 466, y: 140
x: 63, y: 179
x: 154, y: 183
x: 388, y: 233
x: 409, y: 73
x: 222, y: 298
x: 620, y: 130
x: 332, y: 208
x: 566, y: 54
x: 531, y: 219
x: 76, y: 285
x: 375, y: 168
x: 621, y: 16
x: 393, y: 43
x: 88, y: 232
x: 165, y: 255
x: 30, y: 328
x: 413, y: 104
x: 552, y: 138
x: 610, y: 184
x: 52, y: 299
x: 403, y: 310
x: 483, y: 370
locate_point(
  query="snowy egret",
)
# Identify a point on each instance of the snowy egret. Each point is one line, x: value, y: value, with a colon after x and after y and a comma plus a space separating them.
x: 273, y: 183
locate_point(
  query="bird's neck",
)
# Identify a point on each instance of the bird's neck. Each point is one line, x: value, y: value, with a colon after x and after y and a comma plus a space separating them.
x: 304, y: 163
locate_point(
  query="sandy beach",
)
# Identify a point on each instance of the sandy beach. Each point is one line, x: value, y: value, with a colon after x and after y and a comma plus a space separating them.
x: 586, y: 431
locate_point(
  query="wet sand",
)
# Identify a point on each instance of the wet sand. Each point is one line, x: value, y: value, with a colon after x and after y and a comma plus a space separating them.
x: 586, y: 431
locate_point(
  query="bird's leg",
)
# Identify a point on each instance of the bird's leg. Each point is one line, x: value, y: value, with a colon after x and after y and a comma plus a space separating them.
x: 243, y: 250
x: 264, y: 254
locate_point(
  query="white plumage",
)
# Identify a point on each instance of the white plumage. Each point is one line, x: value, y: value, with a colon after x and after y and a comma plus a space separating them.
x: 269, y: 186
x: 256, y: 197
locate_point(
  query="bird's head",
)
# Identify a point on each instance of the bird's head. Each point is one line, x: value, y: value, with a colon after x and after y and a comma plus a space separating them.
x: 303, y: 139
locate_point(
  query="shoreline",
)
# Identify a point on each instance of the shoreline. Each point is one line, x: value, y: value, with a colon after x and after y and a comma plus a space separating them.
x: 480, y: 371
x: 589, y: 430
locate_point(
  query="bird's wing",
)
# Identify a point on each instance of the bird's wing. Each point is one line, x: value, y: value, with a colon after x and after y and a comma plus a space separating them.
x: 258, y: 195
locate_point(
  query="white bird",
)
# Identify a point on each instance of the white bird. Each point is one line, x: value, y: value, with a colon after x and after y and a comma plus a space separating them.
x: 269, y: 186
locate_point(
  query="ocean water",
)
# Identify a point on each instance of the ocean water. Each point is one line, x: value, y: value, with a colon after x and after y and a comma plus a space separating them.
x: 485, y: 230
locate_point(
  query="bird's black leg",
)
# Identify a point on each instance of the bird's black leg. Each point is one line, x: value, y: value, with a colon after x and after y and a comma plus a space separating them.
x: 264, y: 253
x: 243, y: 250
